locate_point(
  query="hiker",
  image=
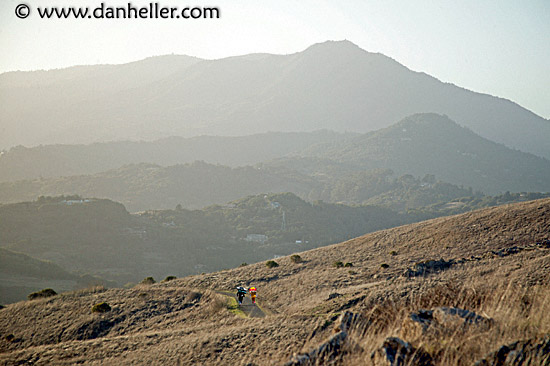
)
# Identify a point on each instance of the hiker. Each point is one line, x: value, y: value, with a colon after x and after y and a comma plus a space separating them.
x: 241, y: 292
x: 252, y: 291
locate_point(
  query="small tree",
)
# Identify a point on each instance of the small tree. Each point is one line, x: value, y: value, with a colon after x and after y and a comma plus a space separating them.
x: 271, y: 264
x: 101, y: 307
x: 295, y: 258
x: 148, y: 281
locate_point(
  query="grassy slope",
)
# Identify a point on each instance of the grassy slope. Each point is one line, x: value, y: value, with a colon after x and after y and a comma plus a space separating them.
x: 153, y: 324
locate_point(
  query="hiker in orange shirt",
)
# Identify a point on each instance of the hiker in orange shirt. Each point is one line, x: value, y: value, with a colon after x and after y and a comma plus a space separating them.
x: 252, y: 291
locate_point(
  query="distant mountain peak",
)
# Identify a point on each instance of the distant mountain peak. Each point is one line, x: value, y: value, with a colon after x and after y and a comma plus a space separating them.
x: 334, y: 46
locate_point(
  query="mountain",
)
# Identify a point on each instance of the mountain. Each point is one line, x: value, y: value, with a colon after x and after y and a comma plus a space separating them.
x: 65, y: 160
x: 333, y: 85
x: 453, y: 290
x: 433, y: 144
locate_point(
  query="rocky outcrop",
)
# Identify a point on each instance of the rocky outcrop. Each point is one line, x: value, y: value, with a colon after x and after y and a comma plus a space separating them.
x: 441, y: 320
x: 532, y: 352
x: 396, y: 352
x: 332, y: 347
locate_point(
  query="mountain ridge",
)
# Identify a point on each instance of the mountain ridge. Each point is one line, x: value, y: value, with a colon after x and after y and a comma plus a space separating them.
x: 330, y: 86
x: 327, y: 166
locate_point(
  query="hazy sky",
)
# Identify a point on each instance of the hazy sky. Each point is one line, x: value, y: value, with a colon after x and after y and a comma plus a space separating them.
x: 500, y: 47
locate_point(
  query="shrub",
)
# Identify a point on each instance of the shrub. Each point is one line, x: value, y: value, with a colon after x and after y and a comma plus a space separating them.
x: 393, y: 252
x: 348, y: 264
x: 9, y: 337
x: 384, y: 265
x: 168, y: 278
x: 338, y: 264
x: 193, y: 296
x: 295, y: 258
x: 243, y: 264
x: 148, y: 281
x: 101, y: 307
x: 271, y: 264
x: 47, y: 292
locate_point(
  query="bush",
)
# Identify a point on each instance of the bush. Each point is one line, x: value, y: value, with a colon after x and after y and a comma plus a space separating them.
x: 101, y: 307
x: 384, y: 265
x: 348, y: 264
x: 168, y: 278
x: 47, y: 292
x: 295, y: 258
x: 393, y: 252
x: 148, y: 281
x: 243, y: 264
x: 271, y: 264
x: 338, y: 264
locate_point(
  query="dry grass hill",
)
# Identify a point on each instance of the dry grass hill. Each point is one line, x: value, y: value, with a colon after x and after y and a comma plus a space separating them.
x: 450, y: 291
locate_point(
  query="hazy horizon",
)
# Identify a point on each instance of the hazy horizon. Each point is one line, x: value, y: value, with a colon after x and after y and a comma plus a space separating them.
x: 499, y: 50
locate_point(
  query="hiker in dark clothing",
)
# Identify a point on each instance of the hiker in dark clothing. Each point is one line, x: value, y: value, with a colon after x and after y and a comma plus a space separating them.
x: 241, y: 293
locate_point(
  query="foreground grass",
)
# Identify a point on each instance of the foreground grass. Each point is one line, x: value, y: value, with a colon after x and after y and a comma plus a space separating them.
x: 517, y: 313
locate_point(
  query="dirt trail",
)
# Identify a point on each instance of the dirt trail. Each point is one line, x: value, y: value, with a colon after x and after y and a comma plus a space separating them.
x: 248, y: 308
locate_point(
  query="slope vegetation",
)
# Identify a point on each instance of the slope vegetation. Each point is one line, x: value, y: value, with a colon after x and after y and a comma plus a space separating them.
x: 494, y: 262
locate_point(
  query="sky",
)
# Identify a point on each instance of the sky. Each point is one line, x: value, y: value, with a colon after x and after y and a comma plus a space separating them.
x: 499, y: 47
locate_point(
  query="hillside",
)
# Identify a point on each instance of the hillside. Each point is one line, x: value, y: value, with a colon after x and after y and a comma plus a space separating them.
x: 21, y: 275
x: 332, y: 85
x: 66, y: 160
x: 100, y: 238
x: 433, y: 144
x: 495, y: 262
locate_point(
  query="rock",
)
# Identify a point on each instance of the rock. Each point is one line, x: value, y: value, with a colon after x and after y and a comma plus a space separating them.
x: 456, y: 317
x: 441, y: 320
x: 397, y: 352
x: 331, y: 349
x: 507, y: 251
x: 333, y: 296
x: 522, y: 353
x: 428, y: 267
x: 327, y: 351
